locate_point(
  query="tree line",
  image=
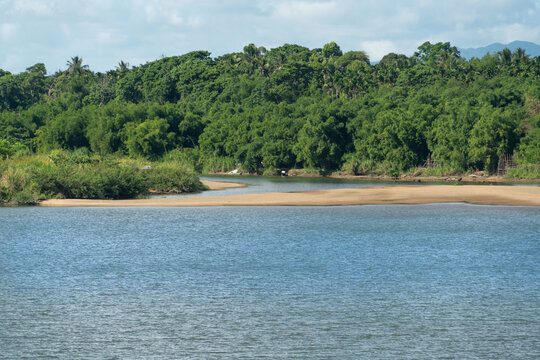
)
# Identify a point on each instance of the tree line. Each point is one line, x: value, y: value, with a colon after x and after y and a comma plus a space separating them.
x: 287, y: 107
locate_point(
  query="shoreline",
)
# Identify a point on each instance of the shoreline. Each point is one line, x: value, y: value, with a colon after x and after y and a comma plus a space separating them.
x: 462, y: 179
x: 405, y: 178
x: 400, y: 194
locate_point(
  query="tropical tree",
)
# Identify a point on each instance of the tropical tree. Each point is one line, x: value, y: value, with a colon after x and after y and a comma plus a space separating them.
x: 149, y: 139
x: 331, y: 50
x: 505, y: 57
x: 122, y: 67
x: 75, y: 66
x: 252, y: 58
x: 432, y: 54
x: 494, y: 134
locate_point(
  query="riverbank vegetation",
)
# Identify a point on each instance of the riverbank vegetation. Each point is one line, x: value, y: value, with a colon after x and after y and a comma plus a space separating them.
x: 81, y: 175
x: 288, y: 107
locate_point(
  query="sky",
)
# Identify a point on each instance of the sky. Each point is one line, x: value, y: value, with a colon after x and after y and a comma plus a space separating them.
x: 104, y: 32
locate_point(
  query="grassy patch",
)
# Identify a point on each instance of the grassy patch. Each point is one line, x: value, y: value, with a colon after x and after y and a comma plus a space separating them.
x: 61, y: 174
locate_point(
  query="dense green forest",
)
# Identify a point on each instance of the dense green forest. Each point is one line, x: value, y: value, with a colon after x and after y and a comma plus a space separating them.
x: 288, y: 107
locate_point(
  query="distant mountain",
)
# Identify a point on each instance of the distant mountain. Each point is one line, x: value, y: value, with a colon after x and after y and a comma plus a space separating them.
x: 530, y: 48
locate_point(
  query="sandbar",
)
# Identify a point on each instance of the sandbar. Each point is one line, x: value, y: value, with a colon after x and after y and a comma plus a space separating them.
x: 221, y: 185
x: 400, y: 194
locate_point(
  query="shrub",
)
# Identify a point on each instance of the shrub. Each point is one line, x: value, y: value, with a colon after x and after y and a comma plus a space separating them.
x: 173, y: 178
x: 525, y: 171
x: 217, y: 164
x: 17, y: 188
x: 63, y: 174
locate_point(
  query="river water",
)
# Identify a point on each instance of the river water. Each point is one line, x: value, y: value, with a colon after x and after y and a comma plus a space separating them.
x: 268, y: 184
x: 450, y: 281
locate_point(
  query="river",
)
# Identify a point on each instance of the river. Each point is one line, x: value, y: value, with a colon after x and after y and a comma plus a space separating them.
x: 432, y: 281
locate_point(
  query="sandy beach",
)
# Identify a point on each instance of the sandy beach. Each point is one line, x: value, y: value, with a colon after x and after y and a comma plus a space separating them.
x: 402, y: 194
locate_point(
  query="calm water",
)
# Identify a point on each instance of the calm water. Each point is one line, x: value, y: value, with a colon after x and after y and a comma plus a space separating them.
x: 266, y: 184
x: 412, y: 282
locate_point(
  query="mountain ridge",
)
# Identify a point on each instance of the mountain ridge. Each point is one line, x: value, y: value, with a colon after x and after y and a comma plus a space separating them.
x: 530, y: 48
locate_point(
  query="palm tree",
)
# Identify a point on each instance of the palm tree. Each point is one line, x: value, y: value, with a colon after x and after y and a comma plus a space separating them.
x: 122, y: 66
x: 506, y: 56
x: 75, y: 66
x: 520, y: 61
x: 252, y: 57
x: 350, y: 57
x: 278, y: 61
x: 520, y: 56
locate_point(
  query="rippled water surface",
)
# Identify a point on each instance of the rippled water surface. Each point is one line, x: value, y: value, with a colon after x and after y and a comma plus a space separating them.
x: 411, y: 282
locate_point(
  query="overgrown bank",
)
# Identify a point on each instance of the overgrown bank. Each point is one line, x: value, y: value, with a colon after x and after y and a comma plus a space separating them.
x: 25, y: 180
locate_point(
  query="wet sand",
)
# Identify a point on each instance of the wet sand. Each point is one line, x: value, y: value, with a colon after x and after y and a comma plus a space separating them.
x: 403, y: 194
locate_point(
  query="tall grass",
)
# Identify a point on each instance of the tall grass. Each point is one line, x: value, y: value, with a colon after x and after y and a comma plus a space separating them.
x: 525, y: 171
x: 200, y: 162
x: 27, y: 179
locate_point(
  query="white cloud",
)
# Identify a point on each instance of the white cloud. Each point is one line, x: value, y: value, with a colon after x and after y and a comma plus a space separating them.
x: 304, y: 11
x: 511, y: 32
x: 40, y: 8
x: 377, y: 49
x: 110, y: 36
x: 104, y: 32
x: 66, y: 30
x: 150, y: 12
x: 194, y: 21
x: 175, y: 19
x: 8, y: 31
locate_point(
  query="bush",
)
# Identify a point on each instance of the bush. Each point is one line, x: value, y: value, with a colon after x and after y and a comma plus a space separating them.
x: 270, y: 171
x: 7, y: 149
x: 189, y: 158
x: 124, y: 182
x: 63, y: 174
x: 171, y: 178
x: 17, y: 188
x: 442, y: 171
x: 217, y: 164
x: 25, y: 197
x: 353, y: 165
x: 525, y: 171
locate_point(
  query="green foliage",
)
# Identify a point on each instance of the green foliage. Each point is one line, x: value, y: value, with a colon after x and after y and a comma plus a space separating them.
x: 330, y: 50
x: 82, y: 175
x: 65, y: 131
x: 319, y: 145
x: 526, y: 171
x: 449, y: 136
x: 17, y: 186
x: 391, y: 137
x: 7, y: 149
x: 435, y: 53
x: 171, y: 177
x: 149, y: 138
x: 354, y: 165
x: 493, y: 134
x: 288, y: 107
x: 529, y: 148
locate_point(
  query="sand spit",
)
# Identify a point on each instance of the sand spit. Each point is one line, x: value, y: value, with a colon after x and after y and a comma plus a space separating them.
x: 402, y: 194
x: 221, y: 185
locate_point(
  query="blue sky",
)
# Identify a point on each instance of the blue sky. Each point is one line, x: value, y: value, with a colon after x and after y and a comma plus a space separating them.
x: 103, y: 32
